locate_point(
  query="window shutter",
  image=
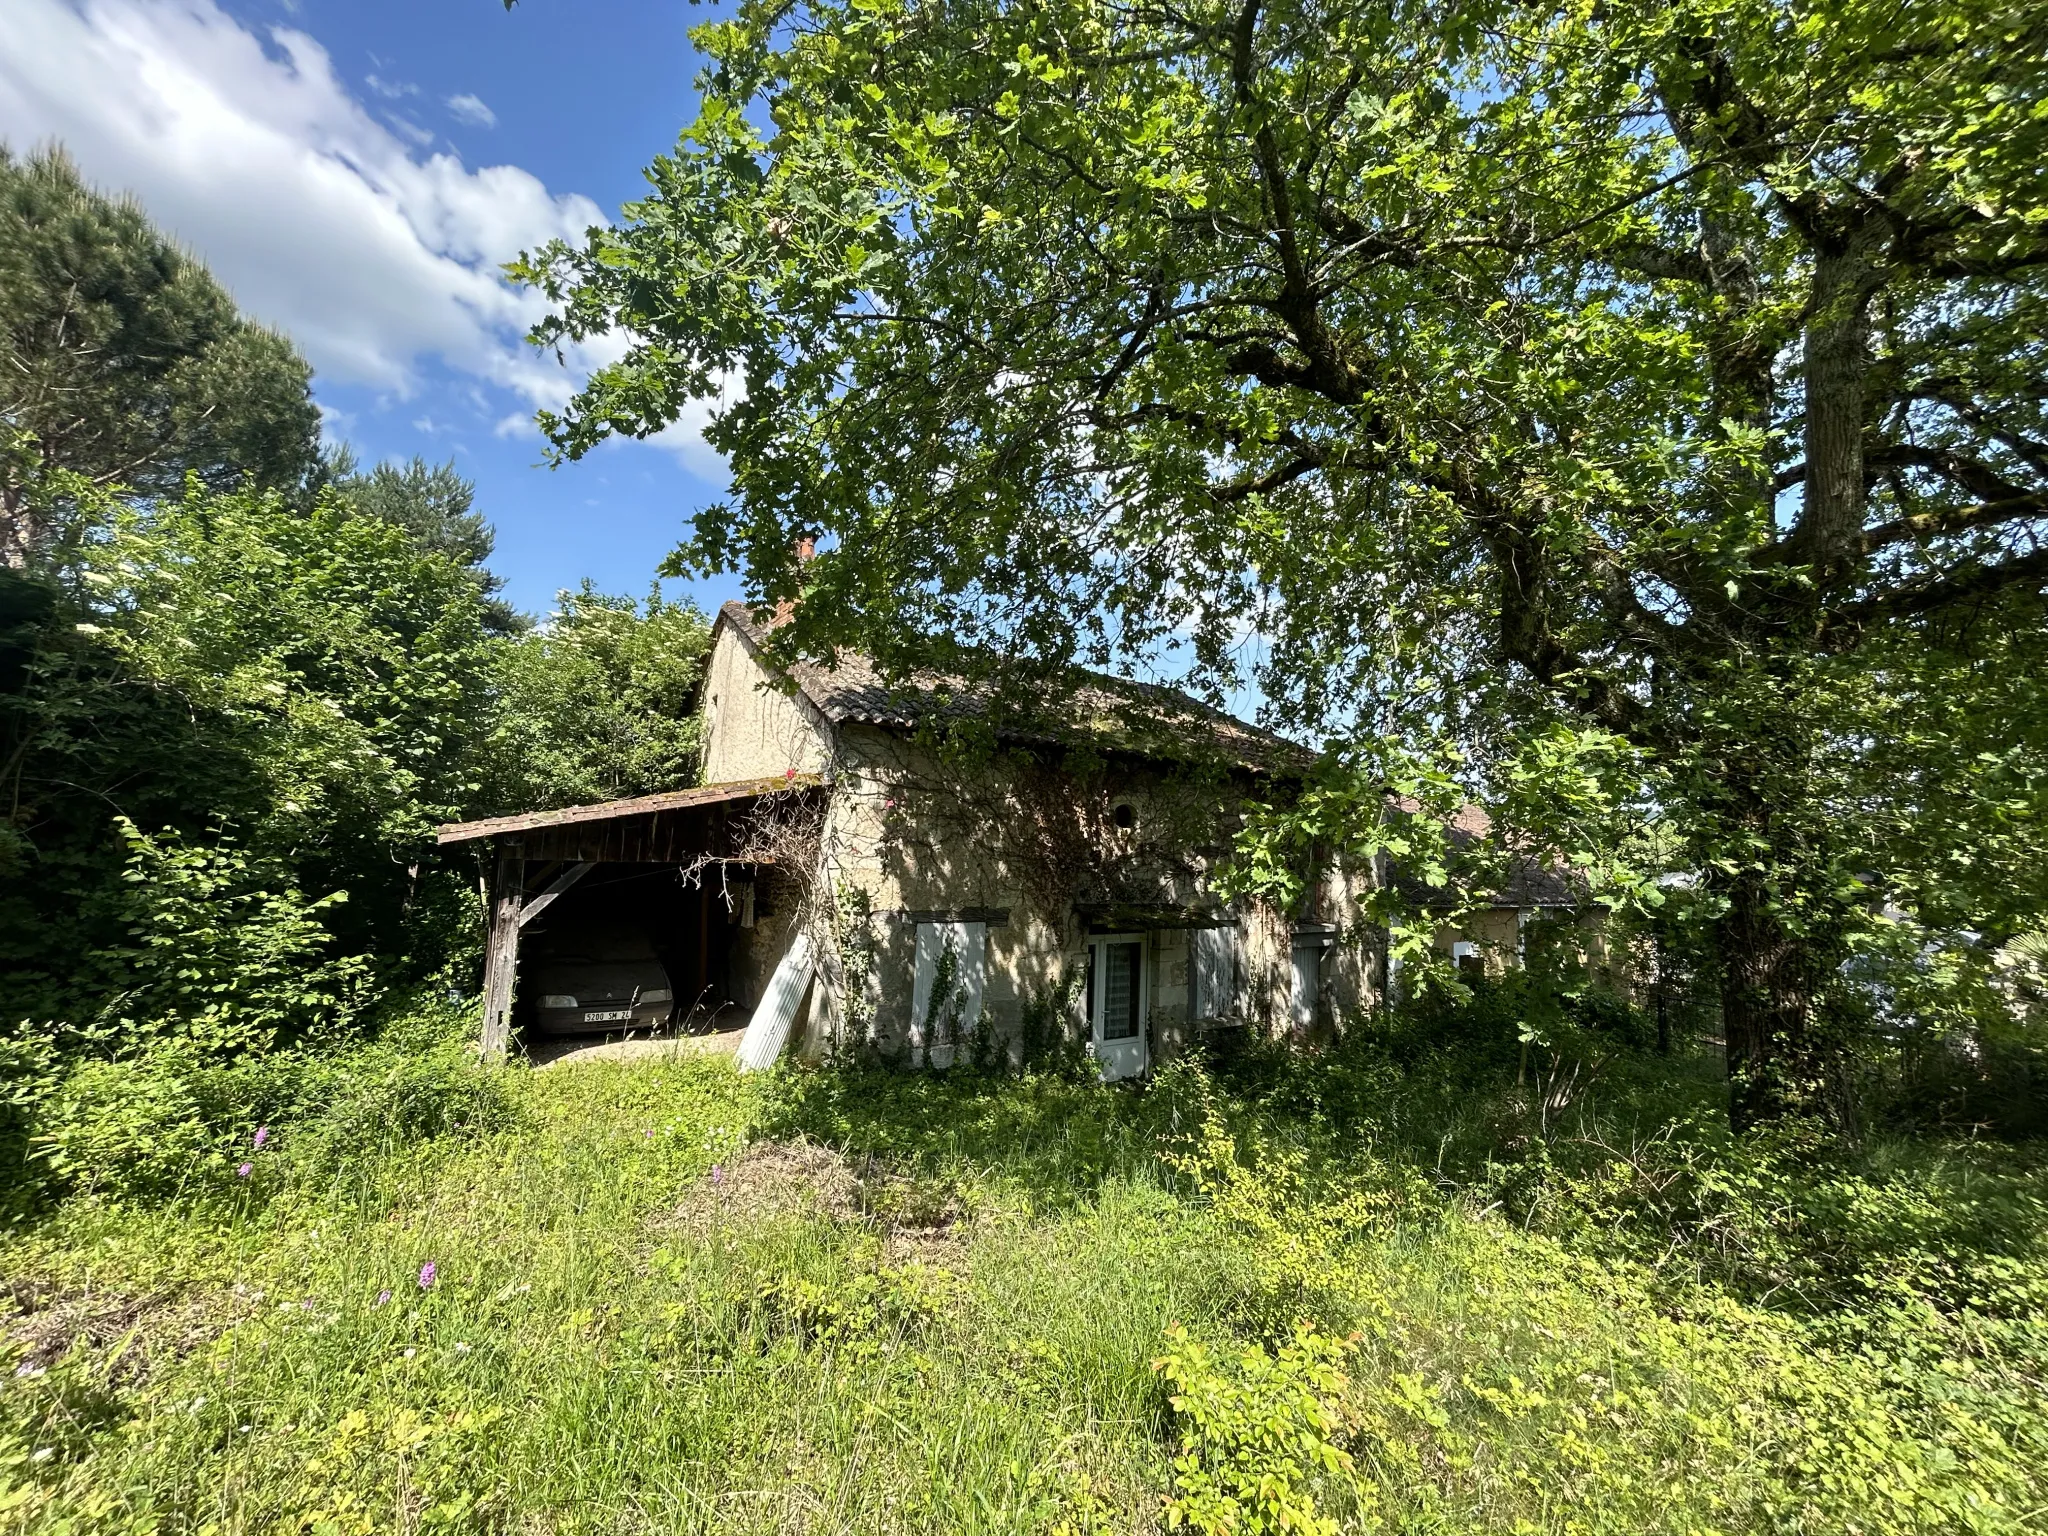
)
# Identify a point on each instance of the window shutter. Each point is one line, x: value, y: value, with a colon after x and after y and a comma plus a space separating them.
x: 1214, y: 974
x: 1308, y: 984
x: 968, y: 944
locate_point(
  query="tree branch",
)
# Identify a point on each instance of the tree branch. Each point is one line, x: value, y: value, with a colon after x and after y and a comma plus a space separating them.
x: 1938, y: 592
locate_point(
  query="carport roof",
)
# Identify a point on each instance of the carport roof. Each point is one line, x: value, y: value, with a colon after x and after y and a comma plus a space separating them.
x: 611, y: 810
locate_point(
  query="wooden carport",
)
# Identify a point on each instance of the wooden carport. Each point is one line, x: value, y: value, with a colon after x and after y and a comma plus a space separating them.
x: 537, y: 857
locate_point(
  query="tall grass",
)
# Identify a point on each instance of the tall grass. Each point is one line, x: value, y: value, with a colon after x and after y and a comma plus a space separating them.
x: 656, y: 1304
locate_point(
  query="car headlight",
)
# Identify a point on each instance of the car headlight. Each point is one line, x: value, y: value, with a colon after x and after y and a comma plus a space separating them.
x: 658, y: 995
x: 557, y: 1000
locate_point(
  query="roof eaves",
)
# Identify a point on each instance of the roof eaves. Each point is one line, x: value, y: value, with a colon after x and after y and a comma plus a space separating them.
x: 641, y: 805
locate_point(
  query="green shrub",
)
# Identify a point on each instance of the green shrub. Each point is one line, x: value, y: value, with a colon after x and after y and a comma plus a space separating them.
x: 1257, y: 1436
x: 860, y: 1315
x: 171, y: 1118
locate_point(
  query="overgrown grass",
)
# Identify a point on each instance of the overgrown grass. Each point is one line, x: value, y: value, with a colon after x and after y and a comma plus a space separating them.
x: 1393, y: 1287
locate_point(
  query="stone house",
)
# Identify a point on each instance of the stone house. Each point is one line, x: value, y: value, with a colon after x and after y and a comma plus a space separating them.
x: 935, y: 865
x: 1055, y: 868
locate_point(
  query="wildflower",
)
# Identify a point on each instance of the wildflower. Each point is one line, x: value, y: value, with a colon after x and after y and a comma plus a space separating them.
x: 410, y: 1353
x: 382, y: 1297
x: 427, y: 1272
x: 718, y: 1173
x: 245, y: 1170
x: 789, y: 773
x: 889, y: 804
x: 462, y: 1349
x: 262, y: 1135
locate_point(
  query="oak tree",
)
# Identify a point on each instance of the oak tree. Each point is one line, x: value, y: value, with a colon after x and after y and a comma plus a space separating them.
x: 1668, y: 376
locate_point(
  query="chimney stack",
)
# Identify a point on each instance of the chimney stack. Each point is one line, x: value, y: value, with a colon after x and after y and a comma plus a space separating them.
x: 806, y: 547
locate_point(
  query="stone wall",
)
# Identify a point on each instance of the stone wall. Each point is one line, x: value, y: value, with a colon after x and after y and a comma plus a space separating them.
x: 1019, y: 842
x: 753, y: 729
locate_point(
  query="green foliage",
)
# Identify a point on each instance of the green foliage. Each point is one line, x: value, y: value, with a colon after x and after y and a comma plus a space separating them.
x: 1048, y: 1040
x: 173, y: 1114
x: 124, y: 361
x: 599, y: 703
x: 859, y: 1316
x: 1256, y: 1437
x: 437, y: 507
x: 1831, y: 1338
x: 1296, y: 1222
x: 939, y: 1029
x: 230, y: 950
x: 308, y: 677
x: 1633, y: 412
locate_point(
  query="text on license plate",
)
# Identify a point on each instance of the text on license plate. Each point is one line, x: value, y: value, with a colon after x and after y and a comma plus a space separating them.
x: 606, y: 1015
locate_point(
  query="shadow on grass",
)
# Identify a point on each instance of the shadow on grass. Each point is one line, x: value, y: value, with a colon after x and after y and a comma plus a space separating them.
x: 1052, y: 1138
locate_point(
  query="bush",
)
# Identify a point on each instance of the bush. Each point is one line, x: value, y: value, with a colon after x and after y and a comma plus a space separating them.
x: 1257, y: 1436
x: 172, y: 1118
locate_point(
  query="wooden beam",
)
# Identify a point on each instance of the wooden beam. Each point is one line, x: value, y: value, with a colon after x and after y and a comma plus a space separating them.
x: 501, y: 956
x: 546, y: 898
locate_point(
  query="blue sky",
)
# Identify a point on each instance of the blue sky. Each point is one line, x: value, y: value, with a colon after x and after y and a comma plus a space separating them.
x: 354, y: 171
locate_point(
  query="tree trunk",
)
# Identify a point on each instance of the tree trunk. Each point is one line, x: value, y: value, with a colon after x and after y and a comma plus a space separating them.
x: 17, y: 527
x: 1769, y: 979
x: 1837, y: 362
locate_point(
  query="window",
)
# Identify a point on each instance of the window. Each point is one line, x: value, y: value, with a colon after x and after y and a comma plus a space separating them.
x: 1465, y: 955
x: 1122, y: 989
x: 1125, y: 816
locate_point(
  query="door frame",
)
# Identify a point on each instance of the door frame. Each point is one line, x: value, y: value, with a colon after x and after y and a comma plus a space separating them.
x: 1098, y: 976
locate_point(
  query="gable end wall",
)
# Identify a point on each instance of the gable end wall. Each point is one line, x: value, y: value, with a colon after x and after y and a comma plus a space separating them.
x: 752, y: 728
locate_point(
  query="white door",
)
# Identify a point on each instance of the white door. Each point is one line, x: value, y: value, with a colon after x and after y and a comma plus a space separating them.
x: 946, y: 988
x: 1119, y: 1000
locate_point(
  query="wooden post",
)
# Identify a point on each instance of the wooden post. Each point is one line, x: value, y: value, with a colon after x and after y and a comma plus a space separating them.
x: 702, y: 980
x: 501, y: 957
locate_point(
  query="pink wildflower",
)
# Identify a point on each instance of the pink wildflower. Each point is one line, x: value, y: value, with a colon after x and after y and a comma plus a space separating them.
x: 427, y: 1272
x: 382, y: 1297
x: 717, y: 1173
x: 262, y: 1135
x: 245, y: 1170
x: 789, y: 773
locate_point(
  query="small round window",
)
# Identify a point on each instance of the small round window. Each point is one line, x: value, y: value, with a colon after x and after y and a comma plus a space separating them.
x: 1125, y: 816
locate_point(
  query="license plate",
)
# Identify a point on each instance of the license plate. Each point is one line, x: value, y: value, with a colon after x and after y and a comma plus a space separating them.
x: 606, y: 1015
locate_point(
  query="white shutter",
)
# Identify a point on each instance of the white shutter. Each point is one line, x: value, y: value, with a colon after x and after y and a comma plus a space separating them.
x: 1308, y: 984
x: 768, y: 1031
x: 968, y: 943
x: 1213, y: 974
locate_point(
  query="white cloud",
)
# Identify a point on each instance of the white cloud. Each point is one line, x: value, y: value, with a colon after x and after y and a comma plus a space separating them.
x: 412, y: 130
x: 319, y: 218
x: 390, y: 89
x: 472, y: 110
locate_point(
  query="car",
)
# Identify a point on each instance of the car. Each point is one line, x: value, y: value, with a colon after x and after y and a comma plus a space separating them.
x: 578, y: 994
